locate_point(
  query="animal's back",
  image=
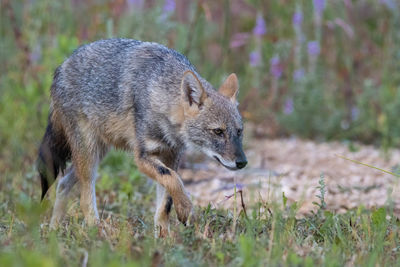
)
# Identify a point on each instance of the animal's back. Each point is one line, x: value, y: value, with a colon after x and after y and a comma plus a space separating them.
x: 108, y: 75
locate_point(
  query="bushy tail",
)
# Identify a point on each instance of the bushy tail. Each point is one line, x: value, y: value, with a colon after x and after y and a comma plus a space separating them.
x: 54, y: 152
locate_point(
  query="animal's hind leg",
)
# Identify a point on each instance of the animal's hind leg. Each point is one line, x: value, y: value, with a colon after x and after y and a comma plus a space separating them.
x: 86, y: 170
x: 64, y: 188
x: 87, y: 151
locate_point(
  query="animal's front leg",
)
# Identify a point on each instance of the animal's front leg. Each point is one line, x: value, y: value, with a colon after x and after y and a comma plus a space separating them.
x: 170, y: 180
x: 161, y: 218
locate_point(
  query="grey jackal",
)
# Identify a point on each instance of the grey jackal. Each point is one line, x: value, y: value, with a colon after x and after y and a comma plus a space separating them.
x: 141, y: 97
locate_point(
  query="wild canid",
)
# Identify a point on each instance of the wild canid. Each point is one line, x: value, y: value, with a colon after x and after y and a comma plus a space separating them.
x: 136, y: 96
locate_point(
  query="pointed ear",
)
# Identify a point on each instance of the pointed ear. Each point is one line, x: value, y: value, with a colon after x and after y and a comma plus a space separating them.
x: 193, y: 92
x: 230, y: 87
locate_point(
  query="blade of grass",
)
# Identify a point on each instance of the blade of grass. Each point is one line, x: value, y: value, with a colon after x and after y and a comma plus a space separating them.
x: 370, y: 166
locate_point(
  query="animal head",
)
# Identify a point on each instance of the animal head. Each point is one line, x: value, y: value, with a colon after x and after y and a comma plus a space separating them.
x: 212, y: 120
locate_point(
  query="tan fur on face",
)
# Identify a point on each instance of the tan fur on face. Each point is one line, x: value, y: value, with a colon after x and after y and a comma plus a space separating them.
x: 177, y: 114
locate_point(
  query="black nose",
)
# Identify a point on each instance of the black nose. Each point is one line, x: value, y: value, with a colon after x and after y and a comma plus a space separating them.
x: 241, y: 164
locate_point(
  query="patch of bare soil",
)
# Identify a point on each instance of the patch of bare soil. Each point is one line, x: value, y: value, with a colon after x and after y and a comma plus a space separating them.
x: 294, y: 166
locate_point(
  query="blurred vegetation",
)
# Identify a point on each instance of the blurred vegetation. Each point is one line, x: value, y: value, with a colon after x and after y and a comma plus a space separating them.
x: 317, y: 69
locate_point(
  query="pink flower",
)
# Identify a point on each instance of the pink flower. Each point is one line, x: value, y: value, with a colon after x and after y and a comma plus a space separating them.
x: 239, y: 39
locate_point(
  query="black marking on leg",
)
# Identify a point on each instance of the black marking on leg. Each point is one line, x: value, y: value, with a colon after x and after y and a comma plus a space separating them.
x: 163, y: 171
x: 168, y: 205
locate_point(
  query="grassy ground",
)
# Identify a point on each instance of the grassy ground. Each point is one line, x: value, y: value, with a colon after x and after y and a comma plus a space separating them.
x: 267, y: 234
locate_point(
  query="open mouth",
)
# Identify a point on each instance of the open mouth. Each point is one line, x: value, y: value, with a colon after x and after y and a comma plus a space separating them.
x: 228, y: 167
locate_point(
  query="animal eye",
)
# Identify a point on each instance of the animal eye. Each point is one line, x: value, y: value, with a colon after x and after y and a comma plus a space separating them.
x: 218, y: 132
x: 239, y: 132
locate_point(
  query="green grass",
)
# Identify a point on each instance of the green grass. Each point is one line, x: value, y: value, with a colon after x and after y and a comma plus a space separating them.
x: 269, y: 235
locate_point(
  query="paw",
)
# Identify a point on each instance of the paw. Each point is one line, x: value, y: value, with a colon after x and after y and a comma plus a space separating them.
x: 183, y: 208
x: 54, y: 223
x: 161, y: 226
x: 161, y: 232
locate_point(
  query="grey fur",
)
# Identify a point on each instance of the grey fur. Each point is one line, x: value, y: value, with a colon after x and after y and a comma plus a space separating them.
x: 130, y: 95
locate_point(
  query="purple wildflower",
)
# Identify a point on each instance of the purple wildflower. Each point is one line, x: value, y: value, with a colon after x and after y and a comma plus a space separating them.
x: 289, y: 106
x: 319, y: 6
x: 298, y: 75
x: 75, y: 3
x: 346, y: 27
x: 169, y: 6
x: 239, y: 39
x: 390, y: 4
x: 355, y: 112
x: 134, y: 3
x: 36, y: 54
x: 260, y: 29
x: 239, y: 187
x: 255, y: 58
x: 313, y: 48
x: 297, y: 19
x: 276, y: 68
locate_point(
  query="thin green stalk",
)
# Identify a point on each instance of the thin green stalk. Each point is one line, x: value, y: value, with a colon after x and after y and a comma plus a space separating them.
x: 370, y: 166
